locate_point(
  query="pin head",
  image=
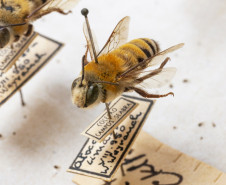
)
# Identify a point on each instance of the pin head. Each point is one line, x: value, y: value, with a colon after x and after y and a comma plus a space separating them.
x: 85, y: 12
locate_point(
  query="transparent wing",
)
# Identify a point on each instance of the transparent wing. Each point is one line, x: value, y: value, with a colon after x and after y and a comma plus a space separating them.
x: 50, y: 6
x: 160, y: 79
x: 157, y: 59
x: 118, y: 36
x: 86, y: 33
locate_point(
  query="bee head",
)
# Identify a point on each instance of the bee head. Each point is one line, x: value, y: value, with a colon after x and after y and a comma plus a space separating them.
x: 84, y: 94
x: 4, y: 37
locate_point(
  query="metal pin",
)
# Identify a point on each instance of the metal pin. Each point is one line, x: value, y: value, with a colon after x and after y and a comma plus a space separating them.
x: 85, y: 12
x: 83, y: 71
x: 20, y: 91
x: 108, y: 110
x: 109, y: 116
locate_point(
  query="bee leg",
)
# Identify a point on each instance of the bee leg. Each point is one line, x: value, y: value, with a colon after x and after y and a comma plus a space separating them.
x: 57, y: 10
x: 29, y: 30
x: 154, y: 72
x: 52, y: 10
x: 164, y: 63
x: 21, y: 94
x: 16, y: 38
x: 147, y: 95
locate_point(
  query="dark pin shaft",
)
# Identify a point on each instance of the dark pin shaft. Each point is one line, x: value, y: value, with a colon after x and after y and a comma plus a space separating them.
x: 108, y: 110
x: 21, y: 94
x: 22, y: 99
x: 83, y: 72
x: 85, y: 13
x: 109, y: 115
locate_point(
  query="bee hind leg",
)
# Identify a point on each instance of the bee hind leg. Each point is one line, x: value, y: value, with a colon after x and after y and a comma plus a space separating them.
x: 147, y: 95
x: 52, y: 10
x: 154, y: 72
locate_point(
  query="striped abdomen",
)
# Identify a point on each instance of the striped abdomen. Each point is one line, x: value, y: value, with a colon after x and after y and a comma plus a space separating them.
x: 37, y: 3
x: 137, y: 50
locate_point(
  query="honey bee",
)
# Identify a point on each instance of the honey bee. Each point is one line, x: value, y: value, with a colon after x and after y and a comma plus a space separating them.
x: 16, y: 16
x: 120, y: 67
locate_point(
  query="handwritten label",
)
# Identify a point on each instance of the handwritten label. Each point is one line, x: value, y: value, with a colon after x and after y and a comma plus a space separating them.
x: 39, y: 52
x: 101, y: 160
x: 8, y: 55
x: 151, y: 162
x: 103, y: 126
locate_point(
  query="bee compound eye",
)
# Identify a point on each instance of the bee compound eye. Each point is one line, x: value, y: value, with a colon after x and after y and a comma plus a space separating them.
x: 92, y: 94
x: 74, y: 84
x: 4, y: 37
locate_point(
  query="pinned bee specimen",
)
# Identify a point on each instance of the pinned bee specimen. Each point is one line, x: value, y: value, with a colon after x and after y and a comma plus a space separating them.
x: 16, y: 17
x: 120, y: 67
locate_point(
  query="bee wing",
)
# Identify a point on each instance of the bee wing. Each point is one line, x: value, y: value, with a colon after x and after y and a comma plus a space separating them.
x: 50, y: 6
x: 118, y: 36
x: 160, y: 79
x: 89, y: 45
x: 158, y: 58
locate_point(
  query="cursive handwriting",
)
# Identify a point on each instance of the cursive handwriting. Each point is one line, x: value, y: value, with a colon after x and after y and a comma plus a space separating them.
x: 147, y: 171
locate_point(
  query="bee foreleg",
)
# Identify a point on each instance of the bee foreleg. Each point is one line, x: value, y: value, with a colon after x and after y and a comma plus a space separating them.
x: 16, y: 38
x: 29, y: 30
x: 147, y: 95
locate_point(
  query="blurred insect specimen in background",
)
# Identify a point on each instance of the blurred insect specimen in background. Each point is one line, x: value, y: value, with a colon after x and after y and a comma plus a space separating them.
x: 16, y: 17
x: 120, y: 67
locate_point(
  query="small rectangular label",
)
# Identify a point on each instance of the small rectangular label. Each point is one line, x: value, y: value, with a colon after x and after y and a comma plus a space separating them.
x: 103, y: 126
x: 39, y: 52
x: 101, y: 160
x: 8, y: 55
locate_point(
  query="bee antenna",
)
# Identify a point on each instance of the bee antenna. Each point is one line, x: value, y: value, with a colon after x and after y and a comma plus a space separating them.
x: 19, y: 24
x: 85, y: 12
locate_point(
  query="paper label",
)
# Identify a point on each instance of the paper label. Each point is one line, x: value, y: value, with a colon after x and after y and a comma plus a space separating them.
x: 39, y: 52
x: 8, y: 55
x: 101, y: 160
x: 103, y: 126
x: 151, y: 162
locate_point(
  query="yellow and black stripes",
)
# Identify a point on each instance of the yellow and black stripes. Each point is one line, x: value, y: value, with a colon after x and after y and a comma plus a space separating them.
x: 152, y: 44
x: 136, y: 51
